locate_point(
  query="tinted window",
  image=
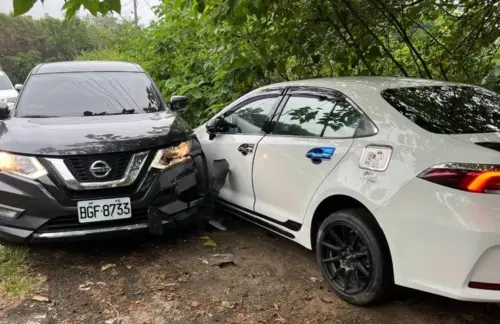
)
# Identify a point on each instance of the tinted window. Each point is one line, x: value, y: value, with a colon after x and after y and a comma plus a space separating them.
x: 88, y: 94
x: 250, y: 118
x: 4, y: 82
x: 315, y: 116
x: 448, y: 110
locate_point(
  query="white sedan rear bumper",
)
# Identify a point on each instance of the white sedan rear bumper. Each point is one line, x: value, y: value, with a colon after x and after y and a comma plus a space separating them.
x: 443, y: 239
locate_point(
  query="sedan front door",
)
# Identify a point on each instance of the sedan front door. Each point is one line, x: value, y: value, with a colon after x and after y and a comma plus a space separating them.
x: 237, y: 144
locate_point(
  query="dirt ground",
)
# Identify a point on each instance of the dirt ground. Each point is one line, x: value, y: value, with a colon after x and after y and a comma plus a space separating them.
x: 148, y: 281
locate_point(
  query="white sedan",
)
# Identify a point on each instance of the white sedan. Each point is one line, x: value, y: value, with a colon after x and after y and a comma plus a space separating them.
x: 389, y: 180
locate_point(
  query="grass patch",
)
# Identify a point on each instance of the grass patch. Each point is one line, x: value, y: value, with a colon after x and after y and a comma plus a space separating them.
x: 15, y: 279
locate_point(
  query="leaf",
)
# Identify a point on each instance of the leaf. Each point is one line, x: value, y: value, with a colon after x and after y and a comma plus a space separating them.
x: 23, y: 6
x: 208, y: 241
x: 115, y: 5
x: 71, y: 8
x: 92, y: 6
x: 228, y: 304
x: 316, y: 58
x: 232, y: 5
x: 374, y: 52
x: 201, y: 6
x: 107, y: 266
x: 271, y: 66
x: 40, y: 299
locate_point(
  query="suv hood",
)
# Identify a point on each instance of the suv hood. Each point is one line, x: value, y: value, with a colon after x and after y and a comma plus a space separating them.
x: 91, y: 135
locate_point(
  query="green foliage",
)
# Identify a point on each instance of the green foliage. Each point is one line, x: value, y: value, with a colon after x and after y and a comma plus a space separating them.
x: 216, y: 50
x: 27, y: 42
x: 72, y: 6
x: 21, y: 7
x: 492, y: 80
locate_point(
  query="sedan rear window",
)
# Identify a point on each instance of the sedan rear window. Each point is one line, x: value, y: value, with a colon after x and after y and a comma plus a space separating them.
x: 88, y: 94
x: 448, y: 109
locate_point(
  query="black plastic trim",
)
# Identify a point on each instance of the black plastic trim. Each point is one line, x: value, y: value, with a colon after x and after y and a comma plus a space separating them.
x: 291, y: 225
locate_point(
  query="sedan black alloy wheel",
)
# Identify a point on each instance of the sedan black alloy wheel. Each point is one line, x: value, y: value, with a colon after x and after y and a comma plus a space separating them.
x: 346, y: 258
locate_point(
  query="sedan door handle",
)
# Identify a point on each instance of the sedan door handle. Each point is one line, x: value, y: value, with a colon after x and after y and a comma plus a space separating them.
x: 246, y: 148
x: 317, y: 154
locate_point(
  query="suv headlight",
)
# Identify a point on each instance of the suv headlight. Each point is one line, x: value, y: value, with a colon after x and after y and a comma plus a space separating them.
x: 11, y: 100
x: 171, y: 155
x: 25, y: 166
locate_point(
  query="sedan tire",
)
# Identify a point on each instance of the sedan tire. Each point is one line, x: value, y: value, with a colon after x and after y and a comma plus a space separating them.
x: 354, y: 258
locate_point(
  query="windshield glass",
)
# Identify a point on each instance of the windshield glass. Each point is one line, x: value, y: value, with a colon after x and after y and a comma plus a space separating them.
x: 4, y: 82
x: 88, y: 94
x: 448, y: 109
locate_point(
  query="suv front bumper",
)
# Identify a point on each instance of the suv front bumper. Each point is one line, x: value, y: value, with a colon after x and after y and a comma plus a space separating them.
x: 47, y: 212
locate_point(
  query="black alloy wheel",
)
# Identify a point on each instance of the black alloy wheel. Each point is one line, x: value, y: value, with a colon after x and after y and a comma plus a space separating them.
x: 354, y: 258
x: 346, y: 258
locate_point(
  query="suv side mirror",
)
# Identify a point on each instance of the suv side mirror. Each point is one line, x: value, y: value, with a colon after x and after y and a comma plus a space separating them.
x: 18, y: 87
x: 178, y: 103
x: 4, y: 110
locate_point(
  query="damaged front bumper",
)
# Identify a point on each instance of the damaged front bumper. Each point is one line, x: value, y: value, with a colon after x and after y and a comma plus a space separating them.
x: 183, y: 193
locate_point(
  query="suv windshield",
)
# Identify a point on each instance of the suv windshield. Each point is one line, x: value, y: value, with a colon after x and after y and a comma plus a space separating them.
x: 4, y: 82
x: 88, y: 94
x: 448, y: 109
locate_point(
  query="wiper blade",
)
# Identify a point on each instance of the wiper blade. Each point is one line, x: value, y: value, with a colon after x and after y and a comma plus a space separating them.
x: 37, y: 116
x: 104, y: 113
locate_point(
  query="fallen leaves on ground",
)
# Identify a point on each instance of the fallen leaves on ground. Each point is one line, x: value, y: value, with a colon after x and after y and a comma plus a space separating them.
x: 208, y: 241
x: 108, y: 266
x: 42, y: 299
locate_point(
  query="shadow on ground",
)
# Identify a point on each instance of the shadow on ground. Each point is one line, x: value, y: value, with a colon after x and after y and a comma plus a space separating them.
x: 171, y: 280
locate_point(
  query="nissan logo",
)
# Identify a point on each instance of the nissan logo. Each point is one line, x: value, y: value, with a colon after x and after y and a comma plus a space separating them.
x: 100, y: 169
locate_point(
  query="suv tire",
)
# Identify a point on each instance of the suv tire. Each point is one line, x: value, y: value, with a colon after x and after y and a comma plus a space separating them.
x: 353, y: 256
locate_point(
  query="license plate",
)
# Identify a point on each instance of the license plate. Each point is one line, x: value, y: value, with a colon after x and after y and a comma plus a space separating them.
x: 103, y: 210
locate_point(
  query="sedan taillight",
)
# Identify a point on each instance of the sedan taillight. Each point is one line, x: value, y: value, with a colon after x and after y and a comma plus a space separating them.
x: 468, y: 177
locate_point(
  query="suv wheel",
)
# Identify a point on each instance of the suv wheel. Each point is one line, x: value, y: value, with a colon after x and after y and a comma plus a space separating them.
x: 353, y: 257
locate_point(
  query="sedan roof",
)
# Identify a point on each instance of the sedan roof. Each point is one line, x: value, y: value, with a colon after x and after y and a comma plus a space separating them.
x: 359, y: 84
x: 86, y: 66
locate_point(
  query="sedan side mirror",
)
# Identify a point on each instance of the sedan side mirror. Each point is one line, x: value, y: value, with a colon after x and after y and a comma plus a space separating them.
x: 18, y: 87
x: 178, y: 103
x: 4, y: 110
x: 217, y: 125
x: 212, y: 128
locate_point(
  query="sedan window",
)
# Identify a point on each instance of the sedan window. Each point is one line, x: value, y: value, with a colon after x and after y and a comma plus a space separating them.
x: 317, y: 117
x: 249, y: 118
x: 448, y: 109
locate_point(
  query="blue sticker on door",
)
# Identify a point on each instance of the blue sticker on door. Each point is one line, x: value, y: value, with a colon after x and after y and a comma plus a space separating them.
x: 320, y: 153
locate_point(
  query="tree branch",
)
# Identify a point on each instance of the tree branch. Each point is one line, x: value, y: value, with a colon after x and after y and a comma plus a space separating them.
x: 358, y: 48
x: 372, y: 33
x: 441, y: 45
x: 402, y: 32
x: 351, y: 43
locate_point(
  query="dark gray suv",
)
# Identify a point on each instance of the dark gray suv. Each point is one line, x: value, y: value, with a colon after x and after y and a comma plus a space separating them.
x: 91, y: 148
